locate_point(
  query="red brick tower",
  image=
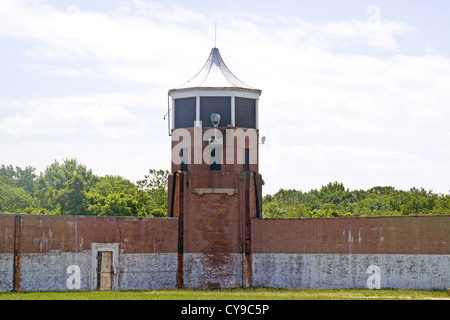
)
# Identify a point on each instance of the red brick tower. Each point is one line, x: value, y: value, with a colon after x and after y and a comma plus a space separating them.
x: 215, y: 187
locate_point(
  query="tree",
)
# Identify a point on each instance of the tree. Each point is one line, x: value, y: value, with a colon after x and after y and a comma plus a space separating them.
x: 18, y: 177
x: 17, y: 200
x: 334, y: 200
x: 155, y: 185
x: 69, y: 188
x: 63, y: 187
x: 333, y: 192
x: 116, y: 196
x: 17, y: 188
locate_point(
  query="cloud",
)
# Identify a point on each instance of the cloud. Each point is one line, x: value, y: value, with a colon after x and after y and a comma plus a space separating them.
x: 111, y: 133
x: 140, y: 34
x: 129, y: 159
x: 357, y: 119
x: 331, y: 107
x: 82, y: 117
x: 136, y: 36
x: 357, y: 167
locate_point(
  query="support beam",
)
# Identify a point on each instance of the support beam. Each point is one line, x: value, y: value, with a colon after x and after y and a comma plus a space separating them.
x: 247, y: 232
x: 180, y: 266
x: 17, y: 238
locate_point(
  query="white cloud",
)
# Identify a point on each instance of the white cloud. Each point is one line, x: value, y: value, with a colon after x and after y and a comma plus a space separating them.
x: 142, y: 34
x: 358, y: 125
x: 358, y: 118
x: 102, y: 115
x: 124, y: 158
x: 357, y: 167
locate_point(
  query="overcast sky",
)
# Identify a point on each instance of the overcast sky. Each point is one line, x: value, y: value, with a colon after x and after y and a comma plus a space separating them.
x: 356, y: 92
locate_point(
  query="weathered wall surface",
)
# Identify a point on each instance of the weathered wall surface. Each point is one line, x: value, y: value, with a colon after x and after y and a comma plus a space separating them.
x: 213, y: 270
x: 214, y: 225
x: 213, y: 234
x: 374, y: 271
x: 61, y: 252
x: 6, y: 252
x: 378, y: 252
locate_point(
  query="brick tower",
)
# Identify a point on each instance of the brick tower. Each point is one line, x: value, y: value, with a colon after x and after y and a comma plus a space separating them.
x: 215, y: 187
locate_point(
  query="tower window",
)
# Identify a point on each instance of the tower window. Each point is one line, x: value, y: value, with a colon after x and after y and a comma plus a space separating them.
x: 220, y: 105
x: 185, y: 112
x: 216, y: 159
x: 246, y: 159
x: 184, y: 159
x: 245, y: 113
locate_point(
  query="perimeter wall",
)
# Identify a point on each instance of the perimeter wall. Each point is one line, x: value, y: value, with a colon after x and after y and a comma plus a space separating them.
x: 410, y: 252
x: 61, y: 253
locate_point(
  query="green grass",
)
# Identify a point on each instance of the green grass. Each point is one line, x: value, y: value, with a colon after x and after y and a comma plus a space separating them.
x: 234, y: 294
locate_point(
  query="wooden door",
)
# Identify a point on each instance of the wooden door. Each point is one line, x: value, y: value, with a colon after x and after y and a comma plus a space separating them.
x: 105, y: 263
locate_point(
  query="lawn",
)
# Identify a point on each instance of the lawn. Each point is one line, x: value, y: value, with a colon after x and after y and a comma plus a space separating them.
x: 235, y: 294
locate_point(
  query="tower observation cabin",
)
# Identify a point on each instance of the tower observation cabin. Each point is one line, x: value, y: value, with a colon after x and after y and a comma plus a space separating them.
x: 215, y: 92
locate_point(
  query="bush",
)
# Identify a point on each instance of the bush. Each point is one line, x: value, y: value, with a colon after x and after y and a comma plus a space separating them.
x: 334, y: 200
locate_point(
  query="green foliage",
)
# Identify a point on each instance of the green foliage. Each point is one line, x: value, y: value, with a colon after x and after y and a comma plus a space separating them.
x: 155, y: 185
x: 334, y: 200
x: 116, y: 196
x: 15, y: 199
x: 18, y: 177
x: 69, y: 188
x: 62, y: 188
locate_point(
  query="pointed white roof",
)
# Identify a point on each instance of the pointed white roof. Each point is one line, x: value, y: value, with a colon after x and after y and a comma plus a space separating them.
x: 215, y: 75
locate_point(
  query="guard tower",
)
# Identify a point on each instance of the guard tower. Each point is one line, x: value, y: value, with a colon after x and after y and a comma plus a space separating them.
x: 215, y: 187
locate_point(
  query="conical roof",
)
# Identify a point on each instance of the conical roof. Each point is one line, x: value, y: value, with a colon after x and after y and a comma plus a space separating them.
x: 214, y: 75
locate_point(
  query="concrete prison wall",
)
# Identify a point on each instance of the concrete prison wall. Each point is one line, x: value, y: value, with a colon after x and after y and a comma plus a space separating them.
x: 62, y: 252
x: 409, y: 252
x: 119, y: 253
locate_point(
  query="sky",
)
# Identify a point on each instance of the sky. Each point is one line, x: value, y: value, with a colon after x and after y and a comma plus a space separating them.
x: 353, y: 91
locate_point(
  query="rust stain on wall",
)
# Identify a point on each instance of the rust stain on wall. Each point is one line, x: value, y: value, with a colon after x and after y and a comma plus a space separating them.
x: 212, y: 244
x: 43, y: 234
x: 386, y: 235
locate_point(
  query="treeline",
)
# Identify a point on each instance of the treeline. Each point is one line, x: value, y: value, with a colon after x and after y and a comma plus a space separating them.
x: 69, y: 188
x: 334, y: 200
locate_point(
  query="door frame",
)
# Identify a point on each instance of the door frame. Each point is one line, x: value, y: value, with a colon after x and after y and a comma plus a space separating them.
x: 101, y: 247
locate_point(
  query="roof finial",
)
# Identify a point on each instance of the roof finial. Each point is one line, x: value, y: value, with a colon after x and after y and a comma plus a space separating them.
x: 215, y: 36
